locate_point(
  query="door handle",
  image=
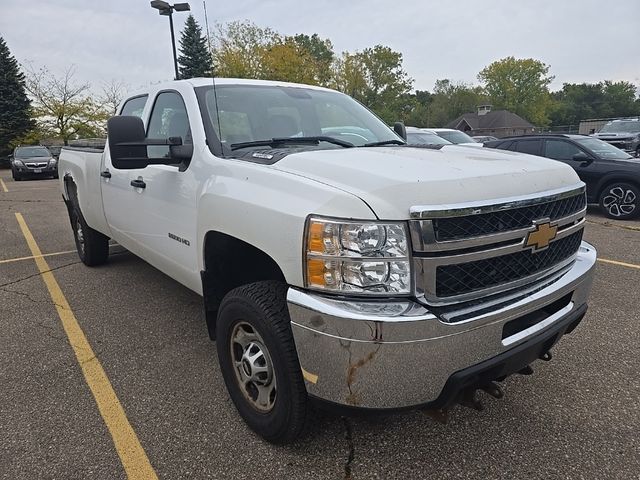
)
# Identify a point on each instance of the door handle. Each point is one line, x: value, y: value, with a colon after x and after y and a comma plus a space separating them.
x: 139, y: 183
x: 105, y: 174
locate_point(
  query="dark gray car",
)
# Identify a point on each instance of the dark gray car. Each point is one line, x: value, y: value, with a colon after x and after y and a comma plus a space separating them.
x: 624, y: 134
x: 33, y: 161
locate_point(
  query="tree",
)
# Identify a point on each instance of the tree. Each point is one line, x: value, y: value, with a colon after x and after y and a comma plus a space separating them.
x: 322, y: 52
x: 288, y: 62
x: 576, y: 102
x: 520, y: 86
x: 239, y: 49
x: 15, y: 119
x: 63, y: 108
x: 112, y: 94
x: 375, y: 77
x: 194, y: 59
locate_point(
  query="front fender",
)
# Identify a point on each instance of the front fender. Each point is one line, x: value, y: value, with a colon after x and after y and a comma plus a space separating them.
x: 268, y: 208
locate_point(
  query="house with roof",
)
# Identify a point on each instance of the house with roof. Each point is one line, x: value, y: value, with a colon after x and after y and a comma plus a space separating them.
x: 499, y: 123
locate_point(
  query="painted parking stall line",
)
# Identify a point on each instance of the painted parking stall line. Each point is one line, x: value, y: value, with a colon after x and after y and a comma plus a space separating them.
x: 133, y: 457
x: 4, y: 186
x: 620, y: 264
x: 31, y: 257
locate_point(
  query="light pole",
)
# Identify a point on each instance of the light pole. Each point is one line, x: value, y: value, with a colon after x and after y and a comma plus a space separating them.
x: 167, y: 10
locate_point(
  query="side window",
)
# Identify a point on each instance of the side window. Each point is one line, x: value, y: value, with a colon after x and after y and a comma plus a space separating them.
x: 532, y: 147
x: 168, y: 119
x: 560, y: 150
x: 134, y: 106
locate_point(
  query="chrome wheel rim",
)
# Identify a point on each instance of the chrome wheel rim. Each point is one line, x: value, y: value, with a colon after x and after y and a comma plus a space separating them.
x: 80, y: 236
x: 619, y: 202
x: 253, y: 367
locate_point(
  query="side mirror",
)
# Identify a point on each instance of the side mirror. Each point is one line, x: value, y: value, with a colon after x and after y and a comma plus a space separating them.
x: 400, y: 129
x: 129, y: 148
x: 584, y: 158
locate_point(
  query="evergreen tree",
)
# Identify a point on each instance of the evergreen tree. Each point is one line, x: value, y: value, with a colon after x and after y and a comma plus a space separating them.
x: 194, y: 59
x: 15, y: 121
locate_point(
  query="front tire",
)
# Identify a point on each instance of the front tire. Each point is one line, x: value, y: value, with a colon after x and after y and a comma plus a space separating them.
x: 620, y: 201
x: 92, y: 246
x: 259, y: 362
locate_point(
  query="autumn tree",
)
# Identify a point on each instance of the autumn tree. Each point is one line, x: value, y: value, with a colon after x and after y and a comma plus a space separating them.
x: 64, y: 107
x: 194, y: 59
x: 376, y: 78
x: 239, y: 49
x: 520, y: 86
x: 321, y: 50
x: 15, y: 119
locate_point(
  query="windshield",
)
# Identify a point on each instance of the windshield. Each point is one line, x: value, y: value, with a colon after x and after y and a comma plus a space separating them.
x: 621, y: 127
x: 252, y: 113
x: 28, y: 152
x: 603, y: 149
x: 456, y: 137
x: 425, y: 139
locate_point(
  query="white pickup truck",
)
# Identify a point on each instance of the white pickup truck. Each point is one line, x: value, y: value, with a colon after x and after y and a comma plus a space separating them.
x: 336, y: 263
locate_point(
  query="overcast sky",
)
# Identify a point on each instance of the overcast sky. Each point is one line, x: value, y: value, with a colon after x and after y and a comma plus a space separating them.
x: 582, y: 40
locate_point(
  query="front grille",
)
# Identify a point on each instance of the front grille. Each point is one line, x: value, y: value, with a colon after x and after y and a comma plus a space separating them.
x: 456, y: 228
x: 459, y: 279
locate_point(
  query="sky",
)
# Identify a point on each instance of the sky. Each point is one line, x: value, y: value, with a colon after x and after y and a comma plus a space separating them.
x: 126, y: 40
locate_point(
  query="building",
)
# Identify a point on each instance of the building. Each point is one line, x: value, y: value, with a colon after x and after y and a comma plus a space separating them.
x: 499, y: 123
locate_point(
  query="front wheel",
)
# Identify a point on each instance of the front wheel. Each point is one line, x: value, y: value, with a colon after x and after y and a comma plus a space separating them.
x: 259, y: 362
x: 620, y: 201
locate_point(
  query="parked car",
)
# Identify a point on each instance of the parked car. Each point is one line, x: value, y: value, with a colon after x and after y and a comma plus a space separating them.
x: 623, y: 133
x: 337, y: 264
x: 33, y: 162
x: 612, y: 176
x: 454, y: 136
x: 417, y: 136
x: 484, y: 138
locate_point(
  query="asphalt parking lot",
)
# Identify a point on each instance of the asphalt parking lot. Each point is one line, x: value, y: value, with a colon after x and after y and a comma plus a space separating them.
x: 576, y: 417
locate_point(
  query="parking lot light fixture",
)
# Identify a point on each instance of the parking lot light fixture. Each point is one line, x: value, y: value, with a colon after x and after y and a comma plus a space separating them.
x: 166, y: 9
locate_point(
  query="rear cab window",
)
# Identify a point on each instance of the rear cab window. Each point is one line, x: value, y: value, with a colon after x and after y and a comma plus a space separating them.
x: 134, y: 106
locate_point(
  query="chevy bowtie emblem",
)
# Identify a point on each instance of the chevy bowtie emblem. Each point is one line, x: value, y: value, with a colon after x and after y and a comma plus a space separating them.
x: 541, y: 235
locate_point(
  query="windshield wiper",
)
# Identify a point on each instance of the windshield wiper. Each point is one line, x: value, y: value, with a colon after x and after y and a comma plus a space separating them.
x: 274, y: 142
x: 384, y: 142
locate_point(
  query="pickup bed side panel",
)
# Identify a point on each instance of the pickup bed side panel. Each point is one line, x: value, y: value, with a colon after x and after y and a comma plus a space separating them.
x: 268, y: 208
x: 83, y: 166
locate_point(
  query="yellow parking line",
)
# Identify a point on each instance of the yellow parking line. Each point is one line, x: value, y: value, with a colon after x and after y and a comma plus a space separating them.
x: 622, y: 264
x: 4, y: 187
x: 18, y: 259
x: 132, y: 455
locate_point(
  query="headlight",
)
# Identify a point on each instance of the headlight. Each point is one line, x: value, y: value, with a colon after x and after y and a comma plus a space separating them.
x: 53, y: 161
x: 357, y: 257
x: 18, y: 163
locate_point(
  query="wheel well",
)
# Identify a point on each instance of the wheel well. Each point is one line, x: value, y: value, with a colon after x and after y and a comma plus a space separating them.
x: 229, y: 263
x: 610, y: 181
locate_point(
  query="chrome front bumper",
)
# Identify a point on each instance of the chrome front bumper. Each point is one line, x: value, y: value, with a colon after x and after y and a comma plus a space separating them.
x: 397, y: 354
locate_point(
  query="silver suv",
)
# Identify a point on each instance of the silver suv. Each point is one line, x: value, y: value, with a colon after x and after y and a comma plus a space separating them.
x: 624, y: 134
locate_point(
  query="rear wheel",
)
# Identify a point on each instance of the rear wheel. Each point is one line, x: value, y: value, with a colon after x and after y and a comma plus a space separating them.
x: 620, y: 200
x: 259, y: 362
x: 92, y: 246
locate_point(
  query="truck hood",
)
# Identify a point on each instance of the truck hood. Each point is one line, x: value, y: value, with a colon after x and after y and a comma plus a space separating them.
x: 393, y: 179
